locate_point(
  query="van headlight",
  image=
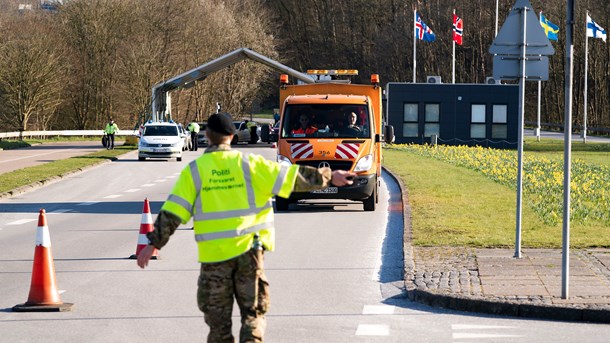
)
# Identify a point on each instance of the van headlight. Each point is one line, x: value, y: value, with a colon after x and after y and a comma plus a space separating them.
x: 364, y: 164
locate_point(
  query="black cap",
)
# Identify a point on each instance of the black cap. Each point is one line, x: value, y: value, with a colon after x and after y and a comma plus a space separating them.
x: 221, y: 123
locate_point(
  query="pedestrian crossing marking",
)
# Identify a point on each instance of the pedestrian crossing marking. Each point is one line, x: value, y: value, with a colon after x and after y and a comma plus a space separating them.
x: 373, y: 330
x: 113, y: 196
x: 378, y: 309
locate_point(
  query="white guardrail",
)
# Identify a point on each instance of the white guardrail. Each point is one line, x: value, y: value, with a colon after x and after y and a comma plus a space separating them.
x: 29, y: 134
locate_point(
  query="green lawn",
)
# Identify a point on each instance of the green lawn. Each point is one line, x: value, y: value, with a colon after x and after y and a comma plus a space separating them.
x: 457, y: 206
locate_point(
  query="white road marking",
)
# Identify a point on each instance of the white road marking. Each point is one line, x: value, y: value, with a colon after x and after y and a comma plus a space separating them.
x: 132, y: 190
x: 88, y: 203
x: 21, y: 221
x: 61, y: 291
x: 113, y: 196
x: 148, y: 185
x: 373, y: 330
x: 160, y: 180
x: 378, y: 309
x: 60, y: 210
x: 475, y: 327
x: 480, y: 335
x: 377, y: 269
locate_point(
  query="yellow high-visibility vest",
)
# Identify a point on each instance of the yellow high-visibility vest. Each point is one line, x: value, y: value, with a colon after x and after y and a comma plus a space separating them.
x: 228, y: 195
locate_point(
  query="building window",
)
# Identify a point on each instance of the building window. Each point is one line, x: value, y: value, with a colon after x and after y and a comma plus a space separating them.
x: 410, y: 125
x: 499, y: 126
x: 477, y: 121
x: 432, y: 120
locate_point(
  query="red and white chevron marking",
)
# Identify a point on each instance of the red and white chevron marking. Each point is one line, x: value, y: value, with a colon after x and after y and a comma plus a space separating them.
x: 347, y: 151
x: 301, y: 150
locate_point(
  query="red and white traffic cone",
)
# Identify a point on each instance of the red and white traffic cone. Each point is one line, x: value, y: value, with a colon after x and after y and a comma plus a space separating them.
x: 43, y: 296
x: 146, y: 226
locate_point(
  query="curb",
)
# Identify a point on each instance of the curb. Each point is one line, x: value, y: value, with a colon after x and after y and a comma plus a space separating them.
x: 480, y: 304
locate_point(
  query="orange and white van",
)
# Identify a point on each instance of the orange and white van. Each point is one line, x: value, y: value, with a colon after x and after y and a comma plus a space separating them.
x: 331, y: 139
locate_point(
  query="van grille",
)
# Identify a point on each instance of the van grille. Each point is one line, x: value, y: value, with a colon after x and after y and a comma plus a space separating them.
x: 334, y: 164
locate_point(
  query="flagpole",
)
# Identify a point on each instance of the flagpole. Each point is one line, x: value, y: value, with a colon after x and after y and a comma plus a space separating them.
x: 453, y: 74
x: 538, y: 115
x: 414, y: 42
x: 584, y: 126
x: 537, y: 133
x: 496, y: 18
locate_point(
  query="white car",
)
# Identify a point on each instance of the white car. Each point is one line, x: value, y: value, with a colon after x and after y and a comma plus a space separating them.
x: 243, y: 132
x: 160, y: 140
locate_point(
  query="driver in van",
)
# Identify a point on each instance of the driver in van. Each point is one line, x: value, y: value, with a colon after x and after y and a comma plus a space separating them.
x: 304, y: 126
x: 351, y: 127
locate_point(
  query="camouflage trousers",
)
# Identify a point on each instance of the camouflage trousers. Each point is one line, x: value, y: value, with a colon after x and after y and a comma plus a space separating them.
x: 241, y: 277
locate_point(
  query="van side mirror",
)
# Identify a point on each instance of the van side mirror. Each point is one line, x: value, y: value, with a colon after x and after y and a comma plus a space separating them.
x: 389, y: 134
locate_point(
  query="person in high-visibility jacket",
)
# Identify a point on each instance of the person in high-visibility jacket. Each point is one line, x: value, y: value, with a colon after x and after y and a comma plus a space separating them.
x: 110, y: 130
x: 193, y: 128
x: 228, y: 195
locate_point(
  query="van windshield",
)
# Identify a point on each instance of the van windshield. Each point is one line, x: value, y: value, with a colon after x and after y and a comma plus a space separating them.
x: 160, y: 130
x: 326, y: 120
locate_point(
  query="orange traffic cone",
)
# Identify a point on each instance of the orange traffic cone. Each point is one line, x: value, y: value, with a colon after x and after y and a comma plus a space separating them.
x: 44, y: 296
x: 146, y: 226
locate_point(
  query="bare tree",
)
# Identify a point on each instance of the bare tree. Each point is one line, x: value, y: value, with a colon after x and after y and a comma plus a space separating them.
x: 31, y: 76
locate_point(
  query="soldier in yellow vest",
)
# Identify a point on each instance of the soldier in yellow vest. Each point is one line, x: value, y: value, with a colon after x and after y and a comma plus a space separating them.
x: 110, y: 130
x: 232, y: 235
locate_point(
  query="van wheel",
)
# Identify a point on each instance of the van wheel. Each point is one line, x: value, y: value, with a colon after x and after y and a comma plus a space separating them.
x: 179, y: 159
x: 281, y: 204
x: 141, y: 158
x: 369, y: 203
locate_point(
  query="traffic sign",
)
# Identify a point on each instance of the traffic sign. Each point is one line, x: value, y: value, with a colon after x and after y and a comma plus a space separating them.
x: 510, y: 38
x: 508, y: 68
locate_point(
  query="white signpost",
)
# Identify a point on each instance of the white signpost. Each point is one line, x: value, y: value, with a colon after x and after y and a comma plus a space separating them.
x: 520, y: 52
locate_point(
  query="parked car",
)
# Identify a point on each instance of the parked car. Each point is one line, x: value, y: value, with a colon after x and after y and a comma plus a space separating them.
x: 274, y: 133
x: 160, y: 140
x: 201, y: 140
x: 249, y: 133
x: 187, y: 137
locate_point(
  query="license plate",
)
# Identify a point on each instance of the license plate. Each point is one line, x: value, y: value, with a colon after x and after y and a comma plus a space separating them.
x: 328, y: 190
x: 160, y: 150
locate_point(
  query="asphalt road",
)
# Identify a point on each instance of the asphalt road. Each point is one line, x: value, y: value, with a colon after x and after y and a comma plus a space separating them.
x: 336, y: 275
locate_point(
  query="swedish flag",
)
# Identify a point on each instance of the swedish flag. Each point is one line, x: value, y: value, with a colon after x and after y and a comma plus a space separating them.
x: 550, y: 29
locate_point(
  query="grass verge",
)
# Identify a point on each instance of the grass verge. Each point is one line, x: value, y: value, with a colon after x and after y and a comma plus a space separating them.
x: 42, y: 173
x: 456, y: 206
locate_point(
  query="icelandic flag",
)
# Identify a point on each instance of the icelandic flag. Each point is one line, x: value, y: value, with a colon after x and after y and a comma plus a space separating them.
x: 594, y: 30
x: 422, y: 31
x: 458, y: 29
x: 550, y: 29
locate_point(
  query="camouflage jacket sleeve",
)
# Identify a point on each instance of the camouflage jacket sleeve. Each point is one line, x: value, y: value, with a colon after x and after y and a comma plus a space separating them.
x: 165, y: 226
x: 309, y: 179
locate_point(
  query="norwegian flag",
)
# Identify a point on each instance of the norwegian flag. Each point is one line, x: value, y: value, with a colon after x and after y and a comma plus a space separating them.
x: 423, y: 32
x: 347, y: 151
x: 301, y: 150
x: 458, y: 28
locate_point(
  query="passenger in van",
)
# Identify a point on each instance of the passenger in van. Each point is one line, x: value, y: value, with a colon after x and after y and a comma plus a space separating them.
x: 304, y: 126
